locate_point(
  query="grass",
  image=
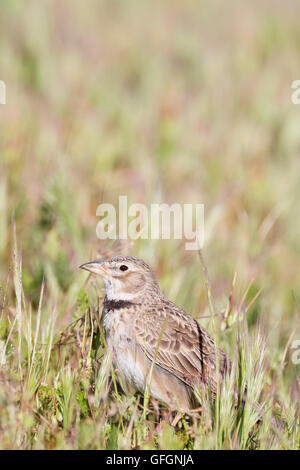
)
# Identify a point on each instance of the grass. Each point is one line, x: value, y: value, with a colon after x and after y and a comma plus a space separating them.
x: 192, y: 106
x: 59, y: 390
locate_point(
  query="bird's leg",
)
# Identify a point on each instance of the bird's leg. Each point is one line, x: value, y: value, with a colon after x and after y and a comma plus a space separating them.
x: 176, y: 419
x: 165, y: 417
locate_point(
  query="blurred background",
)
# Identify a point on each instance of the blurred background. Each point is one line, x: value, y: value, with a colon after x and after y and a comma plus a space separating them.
x: 164, y: 102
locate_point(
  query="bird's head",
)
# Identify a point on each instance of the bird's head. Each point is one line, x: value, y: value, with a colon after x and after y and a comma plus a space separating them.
x: 125, y: 278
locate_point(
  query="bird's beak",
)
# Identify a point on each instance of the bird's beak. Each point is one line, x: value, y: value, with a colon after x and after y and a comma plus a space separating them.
x: 95, y: 267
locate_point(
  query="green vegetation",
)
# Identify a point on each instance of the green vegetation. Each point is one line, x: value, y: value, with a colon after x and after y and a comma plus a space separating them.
x: 173, y: 102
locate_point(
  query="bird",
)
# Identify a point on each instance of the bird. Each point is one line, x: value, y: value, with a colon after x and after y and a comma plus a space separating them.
x: 153, y: 342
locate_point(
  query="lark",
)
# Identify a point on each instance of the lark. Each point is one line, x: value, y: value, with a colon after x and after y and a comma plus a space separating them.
x: 153, y: 342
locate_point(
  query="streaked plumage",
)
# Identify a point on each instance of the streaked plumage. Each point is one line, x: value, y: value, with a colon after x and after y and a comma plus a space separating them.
x: 143, y: 326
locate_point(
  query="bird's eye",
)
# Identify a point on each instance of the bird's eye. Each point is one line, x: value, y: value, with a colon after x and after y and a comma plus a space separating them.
x: 123, y: 267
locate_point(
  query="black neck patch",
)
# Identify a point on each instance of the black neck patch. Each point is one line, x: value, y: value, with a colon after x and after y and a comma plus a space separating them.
x: 116, y: 304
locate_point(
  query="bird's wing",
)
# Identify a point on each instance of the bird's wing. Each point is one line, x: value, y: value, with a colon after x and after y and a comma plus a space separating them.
x: 177, y: 343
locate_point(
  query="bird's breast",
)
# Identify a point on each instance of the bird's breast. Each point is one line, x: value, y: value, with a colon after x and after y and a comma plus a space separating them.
x: 120, y: 339
x: 116, y: 324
